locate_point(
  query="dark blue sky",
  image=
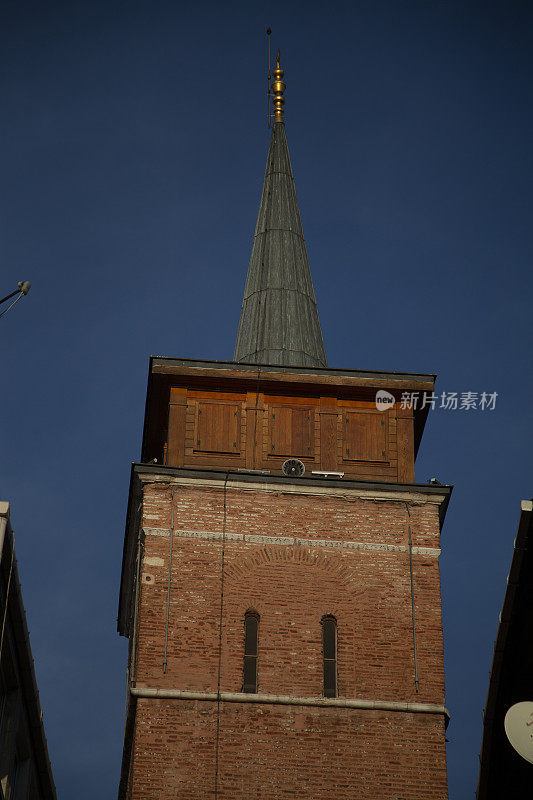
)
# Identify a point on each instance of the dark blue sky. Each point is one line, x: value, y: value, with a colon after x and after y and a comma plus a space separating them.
x: 133, y: 148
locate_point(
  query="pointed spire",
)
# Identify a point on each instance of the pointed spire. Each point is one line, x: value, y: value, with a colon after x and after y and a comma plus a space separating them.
x: 279, y: 318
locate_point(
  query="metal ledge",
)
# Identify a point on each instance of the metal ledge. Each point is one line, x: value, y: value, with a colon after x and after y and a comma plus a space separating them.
x: 291, y: 700
x: 249, y: 476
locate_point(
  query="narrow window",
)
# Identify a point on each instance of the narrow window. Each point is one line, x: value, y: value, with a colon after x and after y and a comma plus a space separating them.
x: 329, y: 650
x: 251, y: 627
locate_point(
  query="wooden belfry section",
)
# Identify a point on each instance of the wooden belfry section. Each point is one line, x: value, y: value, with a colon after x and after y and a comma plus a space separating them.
x: 225, y: 415
x: 285, y: 633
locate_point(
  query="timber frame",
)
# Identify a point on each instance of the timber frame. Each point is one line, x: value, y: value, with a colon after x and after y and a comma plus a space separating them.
x: 216, y: 414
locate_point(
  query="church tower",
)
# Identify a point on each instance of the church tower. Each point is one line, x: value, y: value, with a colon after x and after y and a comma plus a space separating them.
x: 280, y: 580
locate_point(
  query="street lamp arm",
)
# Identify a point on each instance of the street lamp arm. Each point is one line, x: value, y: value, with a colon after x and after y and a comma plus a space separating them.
x: 23, y: 288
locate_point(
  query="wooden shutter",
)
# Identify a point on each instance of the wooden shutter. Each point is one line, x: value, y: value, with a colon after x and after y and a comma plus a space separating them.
x: 292, y: 431
x: 218, y: 428
x: 365, y: 436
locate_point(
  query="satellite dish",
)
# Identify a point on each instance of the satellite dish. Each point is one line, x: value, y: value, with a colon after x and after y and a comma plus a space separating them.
x: 519, y: 729
x: 293, y: 467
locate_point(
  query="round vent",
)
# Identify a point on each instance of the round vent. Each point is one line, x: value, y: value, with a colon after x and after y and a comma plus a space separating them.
x: 293, y: 467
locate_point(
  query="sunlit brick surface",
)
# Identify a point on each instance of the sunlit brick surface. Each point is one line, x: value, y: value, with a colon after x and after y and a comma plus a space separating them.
x: 292, y: 558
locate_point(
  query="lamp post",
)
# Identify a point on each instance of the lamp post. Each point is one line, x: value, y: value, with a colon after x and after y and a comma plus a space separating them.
x: 23, y: 288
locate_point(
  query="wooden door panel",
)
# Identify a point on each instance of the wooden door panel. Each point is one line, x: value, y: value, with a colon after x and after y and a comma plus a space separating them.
x: 365, y: 436
x: 302, y: 432
x: 218, y: 428
x: 292, y: 432
x: 280, y: 430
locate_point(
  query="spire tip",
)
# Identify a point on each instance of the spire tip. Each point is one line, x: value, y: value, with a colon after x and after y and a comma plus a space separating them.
x: 278, y: 88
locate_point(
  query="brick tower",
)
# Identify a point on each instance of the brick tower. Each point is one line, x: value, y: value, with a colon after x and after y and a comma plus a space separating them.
x: 285, y: 634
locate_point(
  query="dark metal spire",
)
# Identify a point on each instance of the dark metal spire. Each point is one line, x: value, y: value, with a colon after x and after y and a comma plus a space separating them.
x: 279, y: 319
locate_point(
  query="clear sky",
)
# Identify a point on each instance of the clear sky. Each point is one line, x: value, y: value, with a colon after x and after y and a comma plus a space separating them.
x: 134, y: 141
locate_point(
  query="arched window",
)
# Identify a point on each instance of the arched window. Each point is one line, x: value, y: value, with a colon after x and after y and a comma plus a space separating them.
x: 251, y: 630
x: 329, y: 653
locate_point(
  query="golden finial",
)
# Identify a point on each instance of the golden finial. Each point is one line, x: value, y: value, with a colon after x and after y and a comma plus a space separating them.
x: 278, y: 87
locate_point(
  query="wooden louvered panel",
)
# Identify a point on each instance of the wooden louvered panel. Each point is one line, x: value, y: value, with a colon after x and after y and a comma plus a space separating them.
x: 281, y: 431
x: 176, y: 427
x: 328, y: 433
x: 365, y: 436
x: 218, y: 428
x: 254, y: 430
x: 302, y: 431
x: 406, y: 458
x: 292, y: 432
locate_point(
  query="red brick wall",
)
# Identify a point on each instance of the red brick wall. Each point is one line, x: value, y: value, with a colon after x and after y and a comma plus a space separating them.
x: 268, y: 751
x: 277, y: 752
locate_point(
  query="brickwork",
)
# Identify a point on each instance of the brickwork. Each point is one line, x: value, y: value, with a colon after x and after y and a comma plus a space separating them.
x: 274, y: 752
x: 292, y: 557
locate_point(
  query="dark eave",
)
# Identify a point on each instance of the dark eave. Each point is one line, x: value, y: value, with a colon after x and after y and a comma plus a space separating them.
x: 426, y: 380
x: 23, y: 655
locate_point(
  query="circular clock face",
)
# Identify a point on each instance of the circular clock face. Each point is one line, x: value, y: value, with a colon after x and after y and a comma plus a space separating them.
x: 293, y: 467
